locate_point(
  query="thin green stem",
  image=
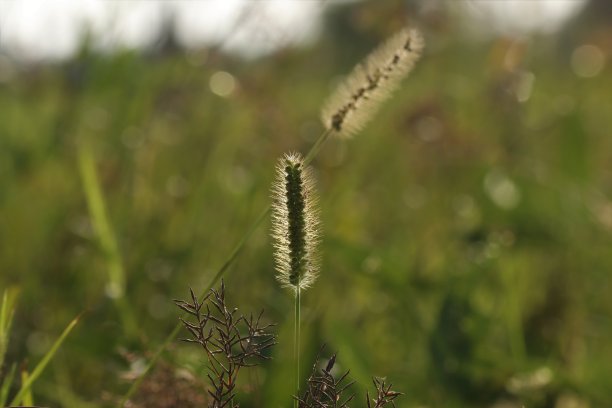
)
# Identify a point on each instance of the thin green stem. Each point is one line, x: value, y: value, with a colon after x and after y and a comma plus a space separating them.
x: 296, y: 344
x: 314, y: 150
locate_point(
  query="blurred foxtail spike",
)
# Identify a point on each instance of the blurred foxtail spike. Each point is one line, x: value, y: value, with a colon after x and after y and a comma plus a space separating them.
x: 359, y: 96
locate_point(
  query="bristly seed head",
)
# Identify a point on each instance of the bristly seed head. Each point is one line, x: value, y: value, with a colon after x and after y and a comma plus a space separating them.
x: 372, y: 81
x: 295, y: 223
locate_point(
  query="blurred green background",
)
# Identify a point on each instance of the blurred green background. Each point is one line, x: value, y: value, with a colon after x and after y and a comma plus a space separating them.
x: 467, y: 231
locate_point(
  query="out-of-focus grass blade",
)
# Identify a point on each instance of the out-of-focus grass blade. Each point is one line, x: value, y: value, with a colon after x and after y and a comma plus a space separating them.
x: 6, y: 319
x: 28, y: 399
x: 107, y: 240
x: 27, y: 385
x: 6, y: 385
x: 97, y: 210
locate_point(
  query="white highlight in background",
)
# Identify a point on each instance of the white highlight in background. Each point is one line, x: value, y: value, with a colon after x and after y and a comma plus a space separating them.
x: 520, y: 16
x: 36, y: 30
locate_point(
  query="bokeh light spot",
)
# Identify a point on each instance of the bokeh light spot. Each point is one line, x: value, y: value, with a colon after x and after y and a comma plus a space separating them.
x: 502, y: 190
x: 222, y: 83
x: 587, y: 61
x: 525, y: 86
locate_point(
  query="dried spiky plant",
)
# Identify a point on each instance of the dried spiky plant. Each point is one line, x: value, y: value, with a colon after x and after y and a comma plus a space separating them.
x: 295, y: 230
x: 359, y: 96
x: 327, y: 391
x: 324, y: 390
x: 231, y: 341
x: 384, y: 394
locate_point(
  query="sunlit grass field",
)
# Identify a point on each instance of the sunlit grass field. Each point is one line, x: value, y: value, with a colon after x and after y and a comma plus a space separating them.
x: 467, y: 230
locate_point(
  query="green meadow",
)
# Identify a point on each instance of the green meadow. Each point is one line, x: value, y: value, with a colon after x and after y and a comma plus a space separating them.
x: 467, y: 230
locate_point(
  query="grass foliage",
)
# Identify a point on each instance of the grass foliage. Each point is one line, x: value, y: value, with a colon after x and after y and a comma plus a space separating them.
x: 467, y: 229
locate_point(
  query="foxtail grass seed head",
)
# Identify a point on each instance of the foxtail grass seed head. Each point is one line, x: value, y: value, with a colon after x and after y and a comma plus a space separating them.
x: 295, y: 223
x: 372, y: 81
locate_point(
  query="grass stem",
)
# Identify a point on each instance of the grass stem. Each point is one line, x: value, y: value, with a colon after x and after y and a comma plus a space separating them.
x: 314, y: 150
x: 296, y: 344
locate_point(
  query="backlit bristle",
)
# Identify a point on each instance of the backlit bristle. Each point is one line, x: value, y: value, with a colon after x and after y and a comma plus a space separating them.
x: 295, y: 224
x: 372, y: 81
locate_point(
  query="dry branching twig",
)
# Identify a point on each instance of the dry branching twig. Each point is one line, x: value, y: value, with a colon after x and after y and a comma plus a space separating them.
x: 384, y: 394
x: 324, y: 390
x: 231, y: 341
